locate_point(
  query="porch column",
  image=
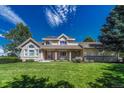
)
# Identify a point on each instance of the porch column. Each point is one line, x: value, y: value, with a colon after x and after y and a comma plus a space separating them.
x: 55, y: 55
x: 82, y: 54
x: 69, y: 55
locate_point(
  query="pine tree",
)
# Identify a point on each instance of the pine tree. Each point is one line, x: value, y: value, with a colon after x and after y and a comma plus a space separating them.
x: 112, y: 32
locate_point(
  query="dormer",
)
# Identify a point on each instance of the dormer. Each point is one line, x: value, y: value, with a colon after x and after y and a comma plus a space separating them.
x: 65, y: 40
x: 60, y: 40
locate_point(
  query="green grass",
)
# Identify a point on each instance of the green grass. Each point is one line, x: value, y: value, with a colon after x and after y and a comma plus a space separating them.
x: 78, y: 74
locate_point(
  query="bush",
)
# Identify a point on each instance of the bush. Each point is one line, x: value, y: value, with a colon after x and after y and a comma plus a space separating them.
x: 77, y: 60
x: 33, y: 82
x: 4, y: 60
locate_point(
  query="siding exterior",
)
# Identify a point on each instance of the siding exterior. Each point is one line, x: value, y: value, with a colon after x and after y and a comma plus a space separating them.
x: 59, y: 48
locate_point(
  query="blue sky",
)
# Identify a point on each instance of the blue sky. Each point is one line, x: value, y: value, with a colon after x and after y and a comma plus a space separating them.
x: 75, y: 21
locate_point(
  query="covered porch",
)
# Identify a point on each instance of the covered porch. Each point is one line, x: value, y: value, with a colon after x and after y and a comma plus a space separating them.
x: 61, y: 54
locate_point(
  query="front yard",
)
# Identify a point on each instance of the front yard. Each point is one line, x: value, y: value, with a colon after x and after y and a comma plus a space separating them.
x: 78, y: 74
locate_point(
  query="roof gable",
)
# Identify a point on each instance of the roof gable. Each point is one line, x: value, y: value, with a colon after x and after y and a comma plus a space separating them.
x: 27, y: 41
x: 63, y: 35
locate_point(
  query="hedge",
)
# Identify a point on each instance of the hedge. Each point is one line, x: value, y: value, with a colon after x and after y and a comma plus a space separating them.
x: 4, y: 60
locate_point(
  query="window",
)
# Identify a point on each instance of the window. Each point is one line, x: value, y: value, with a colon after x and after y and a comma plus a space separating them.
x: 31, y: 46
x: 31, y: 52
x: 37, y: 52
x: 63, y: 43
x: 47, y: 43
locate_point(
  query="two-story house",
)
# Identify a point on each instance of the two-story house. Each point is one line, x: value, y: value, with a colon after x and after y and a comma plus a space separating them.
x: 62, y: 47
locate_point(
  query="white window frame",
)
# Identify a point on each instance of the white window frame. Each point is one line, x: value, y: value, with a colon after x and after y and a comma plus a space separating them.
x: 65, y: 42
x: 36, y: 51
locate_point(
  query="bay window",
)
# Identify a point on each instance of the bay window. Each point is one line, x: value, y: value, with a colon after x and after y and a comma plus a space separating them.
x: 31, y: 51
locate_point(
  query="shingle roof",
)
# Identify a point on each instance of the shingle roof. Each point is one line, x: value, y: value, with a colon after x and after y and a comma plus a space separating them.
x: 28, y: 40
x: 60, y: 47
x: 56, y: 37
x: 80, y: 46
x: 91, y: 44
x: 41, y: 43
x: 51, y: 37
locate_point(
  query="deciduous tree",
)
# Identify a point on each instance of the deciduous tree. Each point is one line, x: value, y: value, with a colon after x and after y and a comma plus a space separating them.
x: 16, y: 36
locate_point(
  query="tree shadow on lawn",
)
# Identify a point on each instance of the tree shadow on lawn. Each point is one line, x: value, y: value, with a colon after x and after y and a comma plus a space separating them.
x: 32, y: 82
x: 113, y: 77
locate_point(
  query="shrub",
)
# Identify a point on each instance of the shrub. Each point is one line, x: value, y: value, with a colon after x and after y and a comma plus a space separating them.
x: 27, y: 81
x: 77, y: 60
x: 4, y: 60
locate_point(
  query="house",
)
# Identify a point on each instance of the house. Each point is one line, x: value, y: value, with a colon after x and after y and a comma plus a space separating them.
x: 62, y: 47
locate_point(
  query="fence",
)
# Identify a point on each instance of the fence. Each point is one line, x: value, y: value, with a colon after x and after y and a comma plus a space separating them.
x: 101, y: 58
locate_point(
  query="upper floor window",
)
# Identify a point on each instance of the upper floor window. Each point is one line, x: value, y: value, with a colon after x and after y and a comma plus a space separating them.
x: 63, y: 42
x: 31, y: 46
x: 47, y: 43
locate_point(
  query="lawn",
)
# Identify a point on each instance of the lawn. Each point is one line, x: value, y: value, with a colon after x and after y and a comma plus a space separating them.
x: 78, y: 74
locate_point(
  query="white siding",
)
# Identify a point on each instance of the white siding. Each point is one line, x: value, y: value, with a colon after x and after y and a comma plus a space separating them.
x: 35, y: 57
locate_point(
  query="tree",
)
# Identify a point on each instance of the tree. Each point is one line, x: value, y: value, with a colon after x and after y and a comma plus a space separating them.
x: 112, y: 32
x: 16, y: 36
x: 89, y: 39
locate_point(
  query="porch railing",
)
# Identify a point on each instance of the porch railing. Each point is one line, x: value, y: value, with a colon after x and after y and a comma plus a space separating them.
x: 101, y: 58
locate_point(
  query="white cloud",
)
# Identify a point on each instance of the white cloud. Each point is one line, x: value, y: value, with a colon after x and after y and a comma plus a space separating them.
x: 53, y: 19
x: 2, y: 36
x: 1, y: 49
x: 57, y: 15
x: 10, y: 15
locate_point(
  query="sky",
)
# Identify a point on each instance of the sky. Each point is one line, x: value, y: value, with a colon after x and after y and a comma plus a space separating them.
x: 75, y: 21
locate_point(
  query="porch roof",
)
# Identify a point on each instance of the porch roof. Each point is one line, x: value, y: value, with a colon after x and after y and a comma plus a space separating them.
x: 60, y: 47
x: 91, y: 44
